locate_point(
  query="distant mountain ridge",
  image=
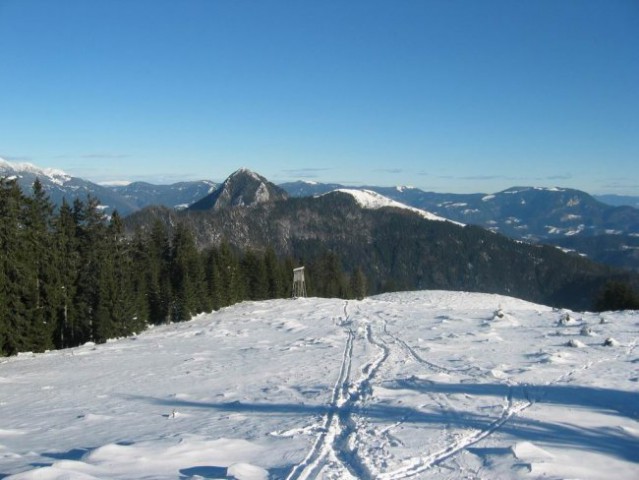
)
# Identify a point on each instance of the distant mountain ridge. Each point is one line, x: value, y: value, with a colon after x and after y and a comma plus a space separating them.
x: 568, y: 218
x: 58, y: 185
x: 126, y: 199
x: 619, y: 200
x: 560, y: 216
x: 177, y: 195
x: 526, y: 213
x: 397, y: 247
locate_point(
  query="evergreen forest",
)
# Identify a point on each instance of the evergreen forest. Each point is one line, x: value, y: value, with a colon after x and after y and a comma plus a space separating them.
x: 69, y: 275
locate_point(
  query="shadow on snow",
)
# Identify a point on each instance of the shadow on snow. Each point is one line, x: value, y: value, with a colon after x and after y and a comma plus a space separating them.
x: 607, y: 440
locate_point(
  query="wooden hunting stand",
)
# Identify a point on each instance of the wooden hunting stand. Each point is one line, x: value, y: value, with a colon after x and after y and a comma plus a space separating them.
x: 299, y: 285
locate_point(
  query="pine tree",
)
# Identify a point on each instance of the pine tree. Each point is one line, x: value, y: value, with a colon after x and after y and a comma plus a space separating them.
x: 115, y: 310
x: 328, y: 277
x: 275, y: 276
x: 140, y: 263
x: 44, y: 278
x: 232, y: 284
x: 67, y: 263
x: 187, y: 276
x: 17, y: 296
x: 255, y: 276
x: 91, y: 233
x: 617, y: 295
x: 358, y: 286
x: 158, y: 274
x: 213, y: 278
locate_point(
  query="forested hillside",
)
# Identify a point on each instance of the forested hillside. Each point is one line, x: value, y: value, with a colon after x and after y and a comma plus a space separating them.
x: 397, y: 249
x: 69, y: 276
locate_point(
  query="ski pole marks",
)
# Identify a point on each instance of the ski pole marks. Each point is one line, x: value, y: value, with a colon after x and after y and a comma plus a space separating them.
x: 351, y: 441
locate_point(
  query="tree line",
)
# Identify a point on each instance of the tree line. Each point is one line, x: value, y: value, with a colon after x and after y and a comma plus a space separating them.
x: 70, y: 275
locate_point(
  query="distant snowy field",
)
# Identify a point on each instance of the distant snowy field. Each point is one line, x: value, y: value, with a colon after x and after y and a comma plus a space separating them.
x: 410, y: 385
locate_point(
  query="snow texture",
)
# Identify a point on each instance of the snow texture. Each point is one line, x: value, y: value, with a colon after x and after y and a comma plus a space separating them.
x: 428, y: 384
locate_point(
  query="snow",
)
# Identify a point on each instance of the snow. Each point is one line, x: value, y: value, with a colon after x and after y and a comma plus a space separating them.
x: 115, y: 183
x: 565, y: 231
x: 515, y: 190
x: 429, y: 384
x: 246, y: 171
x: 373, y: 200
x: 262, y: 194
x: 56, y: 176
x: 403, y: 188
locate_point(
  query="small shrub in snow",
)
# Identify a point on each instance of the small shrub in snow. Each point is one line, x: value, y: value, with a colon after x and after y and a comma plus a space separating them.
x: 610, y: 342
x: 499, y: 313
x: 586, y: 331
x: 575, y: 344
x: 566, y: 319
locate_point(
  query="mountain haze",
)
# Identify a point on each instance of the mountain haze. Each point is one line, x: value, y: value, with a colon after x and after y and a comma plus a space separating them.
x: 177, y: 195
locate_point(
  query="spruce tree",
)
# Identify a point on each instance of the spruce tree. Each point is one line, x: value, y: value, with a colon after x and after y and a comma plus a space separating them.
x: 91, y: 233
x: 140, y: 263
x: 44, y: 277
x: 213, y: 278
x: 232, y: 284
x: 275, y: 282
x: 358, y: 286
x: 18, y: 292
x: 255, y: 276
x: 115, y: 309
x: 67, y: 263
x: 158, y: 274
x: 187, y: 276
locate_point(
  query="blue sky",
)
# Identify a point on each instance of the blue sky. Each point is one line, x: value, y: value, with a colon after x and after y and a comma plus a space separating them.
x: 449, y: 96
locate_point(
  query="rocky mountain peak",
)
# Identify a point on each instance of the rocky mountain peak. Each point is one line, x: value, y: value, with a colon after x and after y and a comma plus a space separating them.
x: 242, y: 188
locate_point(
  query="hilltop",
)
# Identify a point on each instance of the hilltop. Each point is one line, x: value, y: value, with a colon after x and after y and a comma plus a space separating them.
x: 415, y: 385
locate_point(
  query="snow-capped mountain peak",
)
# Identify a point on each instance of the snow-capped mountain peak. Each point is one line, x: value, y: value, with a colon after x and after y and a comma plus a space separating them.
x: 245, y: 172
x: 19, y: 169
x: 373, y: 200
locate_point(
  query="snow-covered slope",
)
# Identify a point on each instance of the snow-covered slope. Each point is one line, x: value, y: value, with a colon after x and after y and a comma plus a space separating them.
x: 59, y: 185
x: 413, y: 385
x: 374, y: 200
x: 18, y: 169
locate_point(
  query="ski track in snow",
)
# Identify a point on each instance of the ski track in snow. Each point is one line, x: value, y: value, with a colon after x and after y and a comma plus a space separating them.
x: 331, y: 455
x: 339, y: 427
x: 331, y: 449
x: 403, y: 386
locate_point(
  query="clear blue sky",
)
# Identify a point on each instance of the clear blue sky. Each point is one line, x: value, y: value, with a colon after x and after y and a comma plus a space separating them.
x: 450, y: 96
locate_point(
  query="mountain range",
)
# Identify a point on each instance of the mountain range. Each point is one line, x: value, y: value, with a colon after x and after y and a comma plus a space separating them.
x: 570, y: 219
x: 395, y: 246
x: 125, y: 199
